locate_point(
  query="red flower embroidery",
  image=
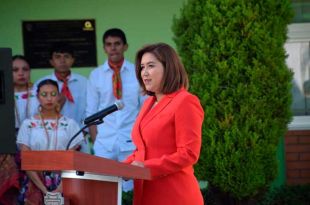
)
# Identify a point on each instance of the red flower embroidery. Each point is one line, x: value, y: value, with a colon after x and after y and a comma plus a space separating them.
x: 33, y: 124
x: 25, y: 96
x: 53, y: 125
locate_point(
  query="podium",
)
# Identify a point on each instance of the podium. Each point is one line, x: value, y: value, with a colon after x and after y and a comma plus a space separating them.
x: 86, y: 179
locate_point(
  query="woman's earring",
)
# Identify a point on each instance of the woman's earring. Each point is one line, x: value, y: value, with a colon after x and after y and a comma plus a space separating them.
x: 57, y: 108
x: 30, y: 84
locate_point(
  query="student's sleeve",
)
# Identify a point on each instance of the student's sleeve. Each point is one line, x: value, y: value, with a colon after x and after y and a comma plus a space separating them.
x: 73, y: 128
x: 92, y: 96
x: 23, y: 136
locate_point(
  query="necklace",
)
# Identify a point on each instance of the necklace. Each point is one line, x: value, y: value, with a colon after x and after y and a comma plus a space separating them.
x: 49, y: 139
x: 18, y: 117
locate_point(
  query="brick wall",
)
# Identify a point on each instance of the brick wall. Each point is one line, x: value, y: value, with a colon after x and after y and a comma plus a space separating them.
x: 297, y: 157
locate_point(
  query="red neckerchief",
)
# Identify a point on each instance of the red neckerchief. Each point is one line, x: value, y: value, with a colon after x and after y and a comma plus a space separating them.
x: 65, y: 88
x: 116, y: 78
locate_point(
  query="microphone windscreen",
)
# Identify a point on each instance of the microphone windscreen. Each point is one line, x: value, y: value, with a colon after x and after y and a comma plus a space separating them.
x: 119, y: 104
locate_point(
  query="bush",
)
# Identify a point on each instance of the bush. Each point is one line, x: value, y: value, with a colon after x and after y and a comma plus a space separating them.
x: 127, y: 198
x: 234, y: 54
x: 288, y: 195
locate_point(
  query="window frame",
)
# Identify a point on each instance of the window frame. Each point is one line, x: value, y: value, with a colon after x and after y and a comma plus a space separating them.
x: 299, y: 32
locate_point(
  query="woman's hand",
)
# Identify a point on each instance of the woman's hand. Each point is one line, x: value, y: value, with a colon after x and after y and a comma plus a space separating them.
x: 33, y: 175
x: 138, y: 163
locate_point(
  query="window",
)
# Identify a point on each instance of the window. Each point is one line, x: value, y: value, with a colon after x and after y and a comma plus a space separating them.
x: 302, y: 11
x: 298, y: 50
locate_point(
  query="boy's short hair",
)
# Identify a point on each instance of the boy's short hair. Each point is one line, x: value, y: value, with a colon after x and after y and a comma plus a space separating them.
x: 115, y: 32
x: 61, y: 47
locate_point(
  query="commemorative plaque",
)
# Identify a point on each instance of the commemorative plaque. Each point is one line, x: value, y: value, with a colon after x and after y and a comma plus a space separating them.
x: 40, y: 36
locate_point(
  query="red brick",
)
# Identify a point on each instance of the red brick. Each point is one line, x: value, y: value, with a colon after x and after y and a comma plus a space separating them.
x: 304, y: 139
x: 289, y: 133
x: 304, y: 156
x: 297, y: 148
x: 294, y: 181
x: 298, y: 133
x: 303, y: 133
x: 291, y: 140
x: 305, y: 173
x: 298, y: 165
x: 292, y: 156
x: 293, y: 173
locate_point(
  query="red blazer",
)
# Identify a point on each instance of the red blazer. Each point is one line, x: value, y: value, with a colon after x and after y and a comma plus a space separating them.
x: 168, y: 141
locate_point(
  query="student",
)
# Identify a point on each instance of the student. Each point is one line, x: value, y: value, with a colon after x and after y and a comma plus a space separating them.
x: 72, y: 98
x: 167, y: 131
x: 26, y: 104
x: 47, y: 130
x: 114, y: 80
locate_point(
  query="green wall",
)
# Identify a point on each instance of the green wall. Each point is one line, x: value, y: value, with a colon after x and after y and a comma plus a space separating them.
x: 144, y: 21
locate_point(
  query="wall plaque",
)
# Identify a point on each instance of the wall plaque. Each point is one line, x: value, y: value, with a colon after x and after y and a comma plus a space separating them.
x: 40, y: 36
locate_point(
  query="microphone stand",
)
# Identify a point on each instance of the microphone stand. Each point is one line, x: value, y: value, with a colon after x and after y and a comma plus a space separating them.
x: 97, y: 122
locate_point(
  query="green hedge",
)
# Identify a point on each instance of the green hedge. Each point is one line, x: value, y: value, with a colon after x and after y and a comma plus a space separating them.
x: 128, y: 196
x: 284, y: 195
x: 288, y: 195
x: 234, y: 53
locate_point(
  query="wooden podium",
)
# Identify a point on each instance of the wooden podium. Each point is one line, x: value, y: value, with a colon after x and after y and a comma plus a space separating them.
x: 86, y: 179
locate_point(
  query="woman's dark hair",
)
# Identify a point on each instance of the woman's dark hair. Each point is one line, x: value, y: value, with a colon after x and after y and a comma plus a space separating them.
x: 21, y: 57
x: 174, y: 77
x: 47, y: 82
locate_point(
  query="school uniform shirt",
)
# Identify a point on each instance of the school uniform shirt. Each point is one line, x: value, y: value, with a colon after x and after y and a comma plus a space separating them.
x: 168, y: 140
x: 117, y: 126
x: 77, y: 85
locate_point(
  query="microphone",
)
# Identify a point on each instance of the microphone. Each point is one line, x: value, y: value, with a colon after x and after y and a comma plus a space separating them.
x: 118, y: 105
x: 96, y: 118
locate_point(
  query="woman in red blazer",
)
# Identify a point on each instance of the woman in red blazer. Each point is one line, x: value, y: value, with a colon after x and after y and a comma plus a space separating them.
x: 167, y: 132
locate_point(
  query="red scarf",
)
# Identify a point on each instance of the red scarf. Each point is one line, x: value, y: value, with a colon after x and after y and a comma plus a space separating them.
x: 116, y: 78
x: 65, y: 88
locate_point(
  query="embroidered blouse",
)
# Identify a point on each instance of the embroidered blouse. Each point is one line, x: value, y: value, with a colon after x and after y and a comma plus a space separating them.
x: 48, y: 136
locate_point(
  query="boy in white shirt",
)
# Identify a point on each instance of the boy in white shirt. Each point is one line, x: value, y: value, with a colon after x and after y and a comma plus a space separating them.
x: 114, y: 80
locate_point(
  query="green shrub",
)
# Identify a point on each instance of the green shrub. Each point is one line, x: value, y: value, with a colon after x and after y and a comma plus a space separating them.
x: 288, y: 195
x: 127, y: 198
x: 234, y: 53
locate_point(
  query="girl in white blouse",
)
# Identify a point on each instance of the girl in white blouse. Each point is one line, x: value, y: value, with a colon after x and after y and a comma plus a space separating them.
x: 26, y: 104
x: 47, y: 130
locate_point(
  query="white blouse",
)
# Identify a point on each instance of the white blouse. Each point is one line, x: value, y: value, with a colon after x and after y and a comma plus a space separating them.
x: 26, y: 105
x: 49, y: 136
